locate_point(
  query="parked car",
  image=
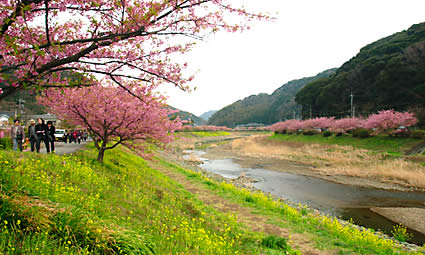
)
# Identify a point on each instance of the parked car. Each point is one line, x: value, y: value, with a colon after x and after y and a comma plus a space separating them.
x: 59, y: 134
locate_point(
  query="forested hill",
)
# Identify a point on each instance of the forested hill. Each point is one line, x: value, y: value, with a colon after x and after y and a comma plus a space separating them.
x: 387, y: 74
x: 265, y: 108
x: 188, y: 117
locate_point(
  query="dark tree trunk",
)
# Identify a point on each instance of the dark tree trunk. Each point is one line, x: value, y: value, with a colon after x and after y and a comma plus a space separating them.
x: 102, y: 149
x: 100, y: 155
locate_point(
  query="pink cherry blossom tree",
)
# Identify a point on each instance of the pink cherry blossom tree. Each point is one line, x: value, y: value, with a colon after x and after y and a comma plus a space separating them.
x: 113, y: 117
x: 389, y: 119
x: 57, y: 43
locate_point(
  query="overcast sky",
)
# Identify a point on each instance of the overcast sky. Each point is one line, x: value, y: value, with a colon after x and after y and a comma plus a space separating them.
x: 308, y: 37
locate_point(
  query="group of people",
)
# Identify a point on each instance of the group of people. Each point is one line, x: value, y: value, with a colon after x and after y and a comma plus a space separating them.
x: 37, y: 133
x: 74, y: 136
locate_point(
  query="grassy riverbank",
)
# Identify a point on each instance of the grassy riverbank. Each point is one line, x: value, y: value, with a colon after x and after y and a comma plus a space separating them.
x: 71, y: 204
x: 325, y: 233
x: 389, y: 144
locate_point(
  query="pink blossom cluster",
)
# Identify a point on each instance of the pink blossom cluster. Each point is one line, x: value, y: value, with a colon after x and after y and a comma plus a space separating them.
x: 390, y: 119
x: 380, y: 122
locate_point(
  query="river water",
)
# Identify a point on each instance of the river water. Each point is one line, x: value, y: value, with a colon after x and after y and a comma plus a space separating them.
x: 344, y: 201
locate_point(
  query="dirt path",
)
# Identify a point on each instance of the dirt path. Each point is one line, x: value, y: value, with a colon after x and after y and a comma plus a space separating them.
x: 257, y: 222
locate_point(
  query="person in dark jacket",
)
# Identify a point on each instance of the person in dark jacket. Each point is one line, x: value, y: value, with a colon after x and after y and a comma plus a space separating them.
x: 51, y: 136
x: 79, y: 136
x: 65, y: 136
x: 32, y: 136
x: 41, y: 131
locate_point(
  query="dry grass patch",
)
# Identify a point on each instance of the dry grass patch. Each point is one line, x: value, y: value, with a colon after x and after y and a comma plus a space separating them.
x: 338, y: 160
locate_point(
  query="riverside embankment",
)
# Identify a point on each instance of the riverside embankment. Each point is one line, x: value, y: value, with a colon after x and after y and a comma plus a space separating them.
x: 369, y: 202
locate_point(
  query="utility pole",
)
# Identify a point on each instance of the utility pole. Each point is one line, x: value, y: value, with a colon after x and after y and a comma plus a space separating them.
x: 294, y: 115
x: 352, y: 108
x: 310, y: 111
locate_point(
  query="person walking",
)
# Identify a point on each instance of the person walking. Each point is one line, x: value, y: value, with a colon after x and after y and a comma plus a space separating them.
x: 65, y: 136
x: 32, y: 136
x: 79, y: 136
x: 41, y: 131
x: 74, y: 136
x: 51, y: 136
x: 17, y: 134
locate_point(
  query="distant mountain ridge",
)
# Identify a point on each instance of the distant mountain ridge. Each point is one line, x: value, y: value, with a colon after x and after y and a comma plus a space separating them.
x: 207, y: 115
x: 264, y: 108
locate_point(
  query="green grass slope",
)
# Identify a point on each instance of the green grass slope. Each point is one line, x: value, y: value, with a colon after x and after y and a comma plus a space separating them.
x: 72, y: 204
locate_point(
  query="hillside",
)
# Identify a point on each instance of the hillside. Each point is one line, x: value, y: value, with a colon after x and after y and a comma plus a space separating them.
x: 29, y: 104
x: 265, y: 108
x: 206, y: 115
x: 188, y: 116
x: 386, y: 74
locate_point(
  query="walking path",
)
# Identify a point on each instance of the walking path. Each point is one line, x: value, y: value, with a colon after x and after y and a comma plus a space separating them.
x: 62, y: 148
x: 68, y: 148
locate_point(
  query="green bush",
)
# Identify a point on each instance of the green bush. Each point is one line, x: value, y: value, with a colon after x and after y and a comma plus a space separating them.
x: 404, y: 134
x: 5, y: 143
x: 309, y: 132
x: 275, y: 242
x: 361, y: 133
x: 281, y: 132
x: 418, y: 134
x: 327, y: 133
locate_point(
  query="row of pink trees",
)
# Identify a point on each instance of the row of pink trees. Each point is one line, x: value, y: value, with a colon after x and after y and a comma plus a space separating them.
x: 380, y: 122
x: 113, y: 117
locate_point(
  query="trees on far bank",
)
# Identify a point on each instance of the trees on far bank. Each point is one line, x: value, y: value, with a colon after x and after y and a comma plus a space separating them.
x: 382, y: 121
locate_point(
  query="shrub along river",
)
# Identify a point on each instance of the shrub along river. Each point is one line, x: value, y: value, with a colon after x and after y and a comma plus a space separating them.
x: 344, y: 201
